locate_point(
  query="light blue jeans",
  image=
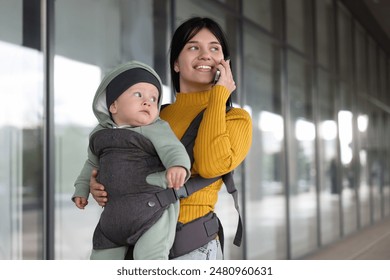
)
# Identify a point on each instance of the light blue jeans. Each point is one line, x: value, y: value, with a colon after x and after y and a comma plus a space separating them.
x: 210, y: 251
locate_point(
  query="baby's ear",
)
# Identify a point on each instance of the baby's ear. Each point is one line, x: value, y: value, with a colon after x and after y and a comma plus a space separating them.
x: 112, y: 109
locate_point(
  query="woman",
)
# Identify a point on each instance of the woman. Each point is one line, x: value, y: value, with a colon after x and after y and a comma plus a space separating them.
x: 198, y: 49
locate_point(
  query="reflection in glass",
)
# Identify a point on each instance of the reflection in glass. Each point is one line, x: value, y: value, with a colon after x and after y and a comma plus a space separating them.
x: 265, y: 201
x: 301, y: 161
x: 348, y: 173
x: 188, y: 8
x: 74, y: 121
x: 345, y: 136
x: 113, y: 32
x: 375, y: 165
x: 372, y: 69
x: 297, y: 25
x: 364, y: 189
x: 383, y: 83
x: 259, y: 11
x: 328, y: 162
x: 346, y: 119
x: 363, y: 121
x: 21, y: 166
x: 324, y: 12
x: 345, y: 44
x: 386, y: 164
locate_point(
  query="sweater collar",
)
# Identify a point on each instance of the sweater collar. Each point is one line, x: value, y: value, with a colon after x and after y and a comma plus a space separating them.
x: 193, y: 98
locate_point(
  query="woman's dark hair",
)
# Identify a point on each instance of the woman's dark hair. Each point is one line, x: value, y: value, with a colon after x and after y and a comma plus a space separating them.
x: 184, y: 33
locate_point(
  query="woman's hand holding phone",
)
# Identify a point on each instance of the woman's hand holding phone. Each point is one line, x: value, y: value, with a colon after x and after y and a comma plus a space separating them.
x: 224, y: 75
x: 216, y: 77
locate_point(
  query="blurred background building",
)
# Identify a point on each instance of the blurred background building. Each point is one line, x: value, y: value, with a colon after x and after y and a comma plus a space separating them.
x: 314, y: 75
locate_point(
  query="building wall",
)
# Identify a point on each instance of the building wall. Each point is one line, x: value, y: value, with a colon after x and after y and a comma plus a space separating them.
x: 311, y: 75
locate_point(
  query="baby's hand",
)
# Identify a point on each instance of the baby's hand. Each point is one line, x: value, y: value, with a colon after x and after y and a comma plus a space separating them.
x: 176, y: 177
x: 80, y: 202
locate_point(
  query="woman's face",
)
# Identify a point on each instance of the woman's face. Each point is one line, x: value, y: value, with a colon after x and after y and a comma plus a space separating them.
x: 197, y: 62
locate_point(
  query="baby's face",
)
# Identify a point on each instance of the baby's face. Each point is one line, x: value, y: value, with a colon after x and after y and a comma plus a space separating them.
x: 137, y: 106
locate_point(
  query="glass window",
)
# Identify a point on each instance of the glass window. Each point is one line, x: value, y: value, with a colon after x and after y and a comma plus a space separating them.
x: 361, y: 61
x: 265, y: 194
x: 328, y: 162
x: 259, y: 12
x: 324, y: 32
x: 382, y: 172
x: 362, y: 123
x: 21, y: 136
x: 376, y: 163
x: 205, y: 5
x: 188, y: 8
x: 301, y: 158
x: 382, y: 76
x: 113, y: 32
x: 345, y: 118
x: 345, y: 44
x: 373, y: 68
x: 298, y: 25
x: 388, y: 80
x: 387, y: 147
x: 386, y: 164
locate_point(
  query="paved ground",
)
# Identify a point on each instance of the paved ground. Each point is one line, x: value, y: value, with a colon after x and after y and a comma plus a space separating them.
x: 371, y: 243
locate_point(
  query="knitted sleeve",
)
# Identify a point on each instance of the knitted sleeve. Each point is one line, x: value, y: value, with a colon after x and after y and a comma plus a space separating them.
x: 224, y: 139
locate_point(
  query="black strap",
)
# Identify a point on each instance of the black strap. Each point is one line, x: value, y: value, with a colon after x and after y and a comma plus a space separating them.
x: 188, y: 139
x: 231, y: 188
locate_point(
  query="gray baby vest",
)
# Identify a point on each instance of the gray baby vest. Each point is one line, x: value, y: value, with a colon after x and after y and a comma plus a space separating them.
x: 126, y: 158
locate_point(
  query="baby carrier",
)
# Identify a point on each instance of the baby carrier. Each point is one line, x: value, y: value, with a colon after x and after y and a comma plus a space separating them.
x: 199, y: 232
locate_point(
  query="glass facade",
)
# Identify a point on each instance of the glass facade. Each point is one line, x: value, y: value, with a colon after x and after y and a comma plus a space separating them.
x: 21, y: 133
x: 313, y: 79
x: 265, y: 204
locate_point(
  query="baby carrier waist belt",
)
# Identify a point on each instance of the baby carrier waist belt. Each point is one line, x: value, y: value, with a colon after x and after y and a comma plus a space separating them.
x: 194, y: 234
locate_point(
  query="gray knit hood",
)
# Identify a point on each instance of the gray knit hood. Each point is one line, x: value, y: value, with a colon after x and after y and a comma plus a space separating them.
x: 99, y: 102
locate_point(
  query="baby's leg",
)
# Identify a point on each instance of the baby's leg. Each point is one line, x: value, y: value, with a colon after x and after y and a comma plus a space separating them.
x: 117, y: 253
x: 157, y: 241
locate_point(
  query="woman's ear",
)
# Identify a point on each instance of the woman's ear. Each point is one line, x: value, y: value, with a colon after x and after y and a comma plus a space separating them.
x: 176, y: 67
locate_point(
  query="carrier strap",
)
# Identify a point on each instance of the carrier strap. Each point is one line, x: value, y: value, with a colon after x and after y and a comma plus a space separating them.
x: 194, y: 184
x: 231, y: 188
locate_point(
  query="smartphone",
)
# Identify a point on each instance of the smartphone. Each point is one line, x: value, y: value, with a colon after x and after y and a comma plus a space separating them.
x: 216, y: 77
x: 218, y: 74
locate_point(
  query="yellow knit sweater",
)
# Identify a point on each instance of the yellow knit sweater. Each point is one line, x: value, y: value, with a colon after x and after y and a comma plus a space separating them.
x: 222, y: 143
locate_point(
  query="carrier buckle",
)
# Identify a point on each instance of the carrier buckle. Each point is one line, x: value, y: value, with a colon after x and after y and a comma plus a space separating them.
x: 181, y: 193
